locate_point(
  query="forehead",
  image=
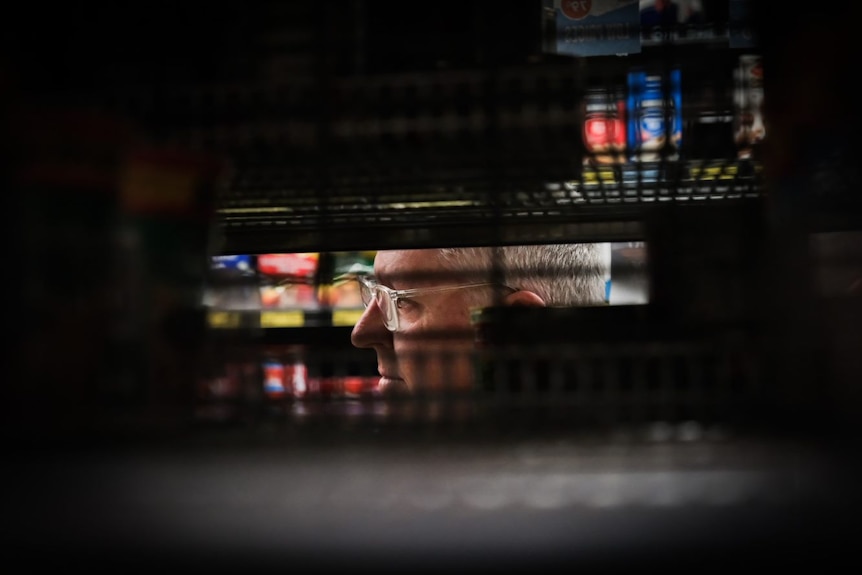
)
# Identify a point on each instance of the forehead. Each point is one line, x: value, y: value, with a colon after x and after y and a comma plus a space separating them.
x: 400, y: 268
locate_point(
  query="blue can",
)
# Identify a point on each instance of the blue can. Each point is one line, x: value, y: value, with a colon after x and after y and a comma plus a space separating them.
x: 655, y: 115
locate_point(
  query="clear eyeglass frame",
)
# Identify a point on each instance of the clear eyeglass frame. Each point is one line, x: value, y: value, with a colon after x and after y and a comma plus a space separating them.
x: 388, y: 300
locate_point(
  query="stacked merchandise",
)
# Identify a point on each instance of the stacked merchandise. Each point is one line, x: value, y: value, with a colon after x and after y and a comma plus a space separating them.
x: 342, y: 295
x: 640, y: 123
x: 288, y: 281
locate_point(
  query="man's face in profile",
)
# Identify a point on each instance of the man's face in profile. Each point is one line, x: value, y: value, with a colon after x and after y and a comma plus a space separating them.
x: 432, y: 348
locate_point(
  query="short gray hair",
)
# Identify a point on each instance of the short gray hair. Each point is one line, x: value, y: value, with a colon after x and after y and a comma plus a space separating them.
x: 561, y: 274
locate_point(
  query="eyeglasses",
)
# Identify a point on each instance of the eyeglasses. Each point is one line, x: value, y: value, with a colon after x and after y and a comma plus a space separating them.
x: 388, y: 300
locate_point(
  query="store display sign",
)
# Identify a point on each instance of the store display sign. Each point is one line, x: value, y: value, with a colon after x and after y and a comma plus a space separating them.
x: 682, y: 21
x: 592, y: 27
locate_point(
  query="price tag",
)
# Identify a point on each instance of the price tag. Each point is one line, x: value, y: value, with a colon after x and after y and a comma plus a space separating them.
x: 224, y: 319
x: 346, y: 316
x: 595, y: 176
x: 282, y: 318
x: 714, y: 172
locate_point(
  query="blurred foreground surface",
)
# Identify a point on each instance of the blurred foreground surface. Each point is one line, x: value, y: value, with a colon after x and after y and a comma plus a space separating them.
x: 418, y: 498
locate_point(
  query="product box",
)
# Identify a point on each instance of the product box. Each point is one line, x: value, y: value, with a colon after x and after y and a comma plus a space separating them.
x: 343, y: 291
x: 748, y: 125
x: 284, y: 378
x: 288, y: 281
x: 232, y: 284
x: 593, y: 28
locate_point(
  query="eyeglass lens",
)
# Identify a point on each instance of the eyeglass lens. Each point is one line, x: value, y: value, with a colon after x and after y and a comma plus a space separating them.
x: 384, y: 303
x: 365, y: 293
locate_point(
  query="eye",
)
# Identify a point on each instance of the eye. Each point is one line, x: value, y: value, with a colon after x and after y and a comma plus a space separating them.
x: 405, y: 303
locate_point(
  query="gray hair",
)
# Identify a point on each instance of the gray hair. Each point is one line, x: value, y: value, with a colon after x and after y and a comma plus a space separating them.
x: 561, y: 274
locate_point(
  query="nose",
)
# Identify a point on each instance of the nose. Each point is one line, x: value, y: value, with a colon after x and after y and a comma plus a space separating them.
x: 369, y: 330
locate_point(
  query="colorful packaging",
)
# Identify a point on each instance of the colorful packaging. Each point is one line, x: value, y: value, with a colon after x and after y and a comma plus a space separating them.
x: 655, y: 116
x: 604, y: 126
x: 273, y: 379
x: 748, y: 125
x: 343, y: 293
x: 285, y: 374
x: 299, y: 265
x: 240, y: 263
x: 297, y: 374
x: 288, y: 281
x: 232, y: 284
x: 359, y: 386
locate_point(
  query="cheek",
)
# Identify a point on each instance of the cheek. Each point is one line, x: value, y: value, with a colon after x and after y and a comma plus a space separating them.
x: 452, y: 312
x: 426, y: 341
x: 436, y: 327
x: 436, y: 365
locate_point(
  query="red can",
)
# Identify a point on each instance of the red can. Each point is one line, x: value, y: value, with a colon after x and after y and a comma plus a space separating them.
x: 273, y: 379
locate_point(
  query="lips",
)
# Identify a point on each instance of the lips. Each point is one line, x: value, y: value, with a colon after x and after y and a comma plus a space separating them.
x: 391, y: 385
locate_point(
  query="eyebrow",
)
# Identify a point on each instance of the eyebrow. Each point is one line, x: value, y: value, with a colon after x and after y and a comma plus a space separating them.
x: 419, y: 278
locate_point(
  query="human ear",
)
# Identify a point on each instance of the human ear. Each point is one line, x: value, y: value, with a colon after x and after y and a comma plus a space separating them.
x: 524, y: 298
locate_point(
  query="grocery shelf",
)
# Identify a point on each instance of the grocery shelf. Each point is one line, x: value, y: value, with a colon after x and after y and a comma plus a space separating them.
x: 608, y: 203
x: 281, y: 318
